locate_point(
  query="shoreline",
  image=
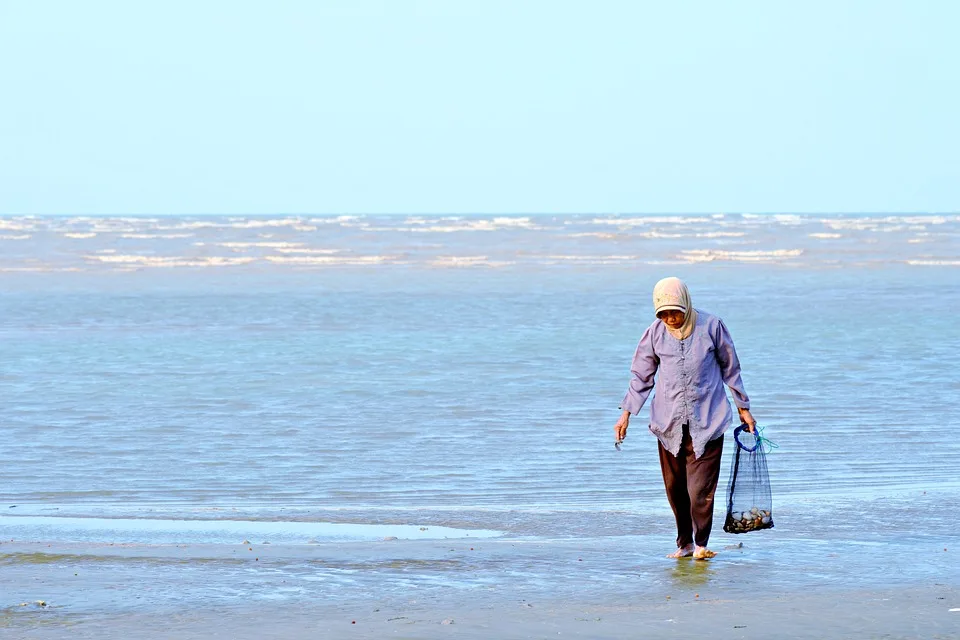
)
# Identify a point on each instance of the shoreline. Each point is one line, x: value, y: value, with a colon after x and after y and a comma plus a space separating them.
x: 925, y: 612
x: 604, y: 587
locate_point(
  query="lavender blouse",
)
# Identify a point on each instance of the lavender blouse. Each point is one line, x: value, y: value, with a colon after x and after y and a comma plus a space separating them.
x: 689, y: 389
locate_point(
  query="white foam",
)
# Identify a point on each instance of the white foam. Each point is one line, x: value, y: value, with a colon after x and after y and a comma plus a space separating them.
x: 75, y: 227
x: 711, y: 255
x: 637, y: 222
x: 260, y: 224
x: 333, y: 220
x: 187, y: 225
x: 826, y: 236
x: 918, y: 220
x: 354, y: 224
x: 307, y: 250
x: 467, y: 261
x: 80, y: 236
x: 168, y: 261
x: 247, y: 245
x: 660, y: 234
x: 43, y: 269
x: 98, y: 228
x: 455, y: 225
x: 722, y: 234
x: 887, y: 223
x: 788, y: 219
x: 594, y: 234
x: 156, y: 236
x: 523, y: 223
x: 420, y: 220
x: 934, y: 263
x: 232, y: 223
x: 329, y: 260
x: 857, y: 224
x: 613, y: 259
x: 25, y: 236
x: 15, y: 225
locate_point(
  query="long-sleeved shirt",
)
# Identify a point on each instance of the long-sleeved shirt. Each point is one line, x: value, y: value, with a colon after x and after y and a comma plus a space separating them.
x: 689, y: 387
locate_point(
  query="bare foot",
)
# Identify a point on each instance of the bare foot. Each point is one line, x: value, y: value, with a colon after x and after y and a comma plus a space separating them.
x: 702, y: 553
x: 682, y: 552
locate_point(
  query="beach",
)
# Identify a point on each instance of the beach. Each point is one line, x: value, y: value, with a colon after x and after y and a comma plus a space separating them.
x: 364, y: 426
x: 882, y: 578
x: 119, y: 591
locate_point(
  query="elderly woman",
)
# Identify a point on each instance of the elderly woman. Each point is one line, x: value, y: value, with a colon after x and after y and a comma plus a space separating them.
x: 694, y: 355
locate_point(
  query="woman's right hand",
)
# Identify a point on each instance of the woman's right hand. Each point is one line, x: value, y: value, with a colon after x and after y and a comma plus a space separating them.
x: 747, y: 418
x: 620, y: 429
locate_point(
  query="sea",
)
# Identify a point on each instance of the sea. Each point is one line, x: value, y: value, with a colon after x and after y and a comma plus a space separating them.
x: 369, y: 393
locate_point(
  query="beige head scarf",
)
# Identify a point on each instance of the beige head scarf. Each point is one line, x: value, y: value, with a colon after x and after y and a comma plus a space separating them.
x: 672, y: 293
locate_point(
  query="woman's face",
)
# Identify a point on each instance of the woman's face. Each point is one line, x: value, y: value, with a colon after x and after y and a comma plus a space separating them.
x: 672, y: 318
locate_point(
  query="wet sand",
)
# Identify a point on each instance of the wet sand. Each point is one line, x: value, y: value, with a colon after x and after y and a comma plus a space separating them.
x: 501, y: 588
x: 898, y: 613
x: 886, y: 614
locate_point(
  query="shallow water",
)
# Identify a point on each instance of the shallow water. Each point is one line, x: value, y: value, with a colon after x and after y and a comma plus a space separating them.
x: 465, y: 373
x: 221, y: 531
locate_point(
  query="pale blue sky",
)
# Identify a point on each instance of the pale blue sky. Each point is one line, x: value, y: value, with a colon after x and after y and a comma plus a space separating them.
x: 485, y: 106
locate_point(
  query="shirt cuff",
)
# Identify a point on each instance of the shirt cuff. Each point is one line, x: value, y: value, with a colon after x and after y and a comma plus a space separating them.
x: 624, y: 406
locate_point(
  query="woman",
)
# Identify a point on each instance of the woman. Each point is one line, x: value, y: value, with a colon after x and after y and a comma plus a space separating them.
x: 694, y: 355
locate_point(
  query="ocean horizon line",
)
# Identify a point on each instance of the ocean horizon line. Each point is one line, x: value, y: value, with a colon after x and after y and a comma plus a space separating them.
x: 513, y: 214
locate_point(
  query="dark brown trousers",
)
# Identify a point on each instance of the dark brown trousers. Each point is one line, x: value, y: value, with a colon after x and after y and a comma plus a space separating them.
x: 690, y: 485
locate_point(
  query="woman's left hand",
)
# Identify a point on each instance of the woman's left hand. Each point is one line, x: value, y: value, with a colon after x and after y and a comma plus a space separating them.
x: 747, y: 418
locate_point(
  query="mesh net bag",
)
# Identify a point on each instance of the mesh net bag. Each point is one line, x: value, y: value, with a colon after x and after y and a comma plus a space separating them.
x: 749, y: 501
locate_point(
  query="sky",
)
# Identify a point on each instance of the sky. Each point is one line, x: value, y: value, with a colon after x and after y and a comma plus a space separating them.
x: 486, y: 106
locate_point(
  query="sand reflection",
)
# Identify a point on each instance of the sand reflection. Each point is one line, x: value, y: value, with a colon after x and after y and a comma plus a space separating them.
x: 687, y: 573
